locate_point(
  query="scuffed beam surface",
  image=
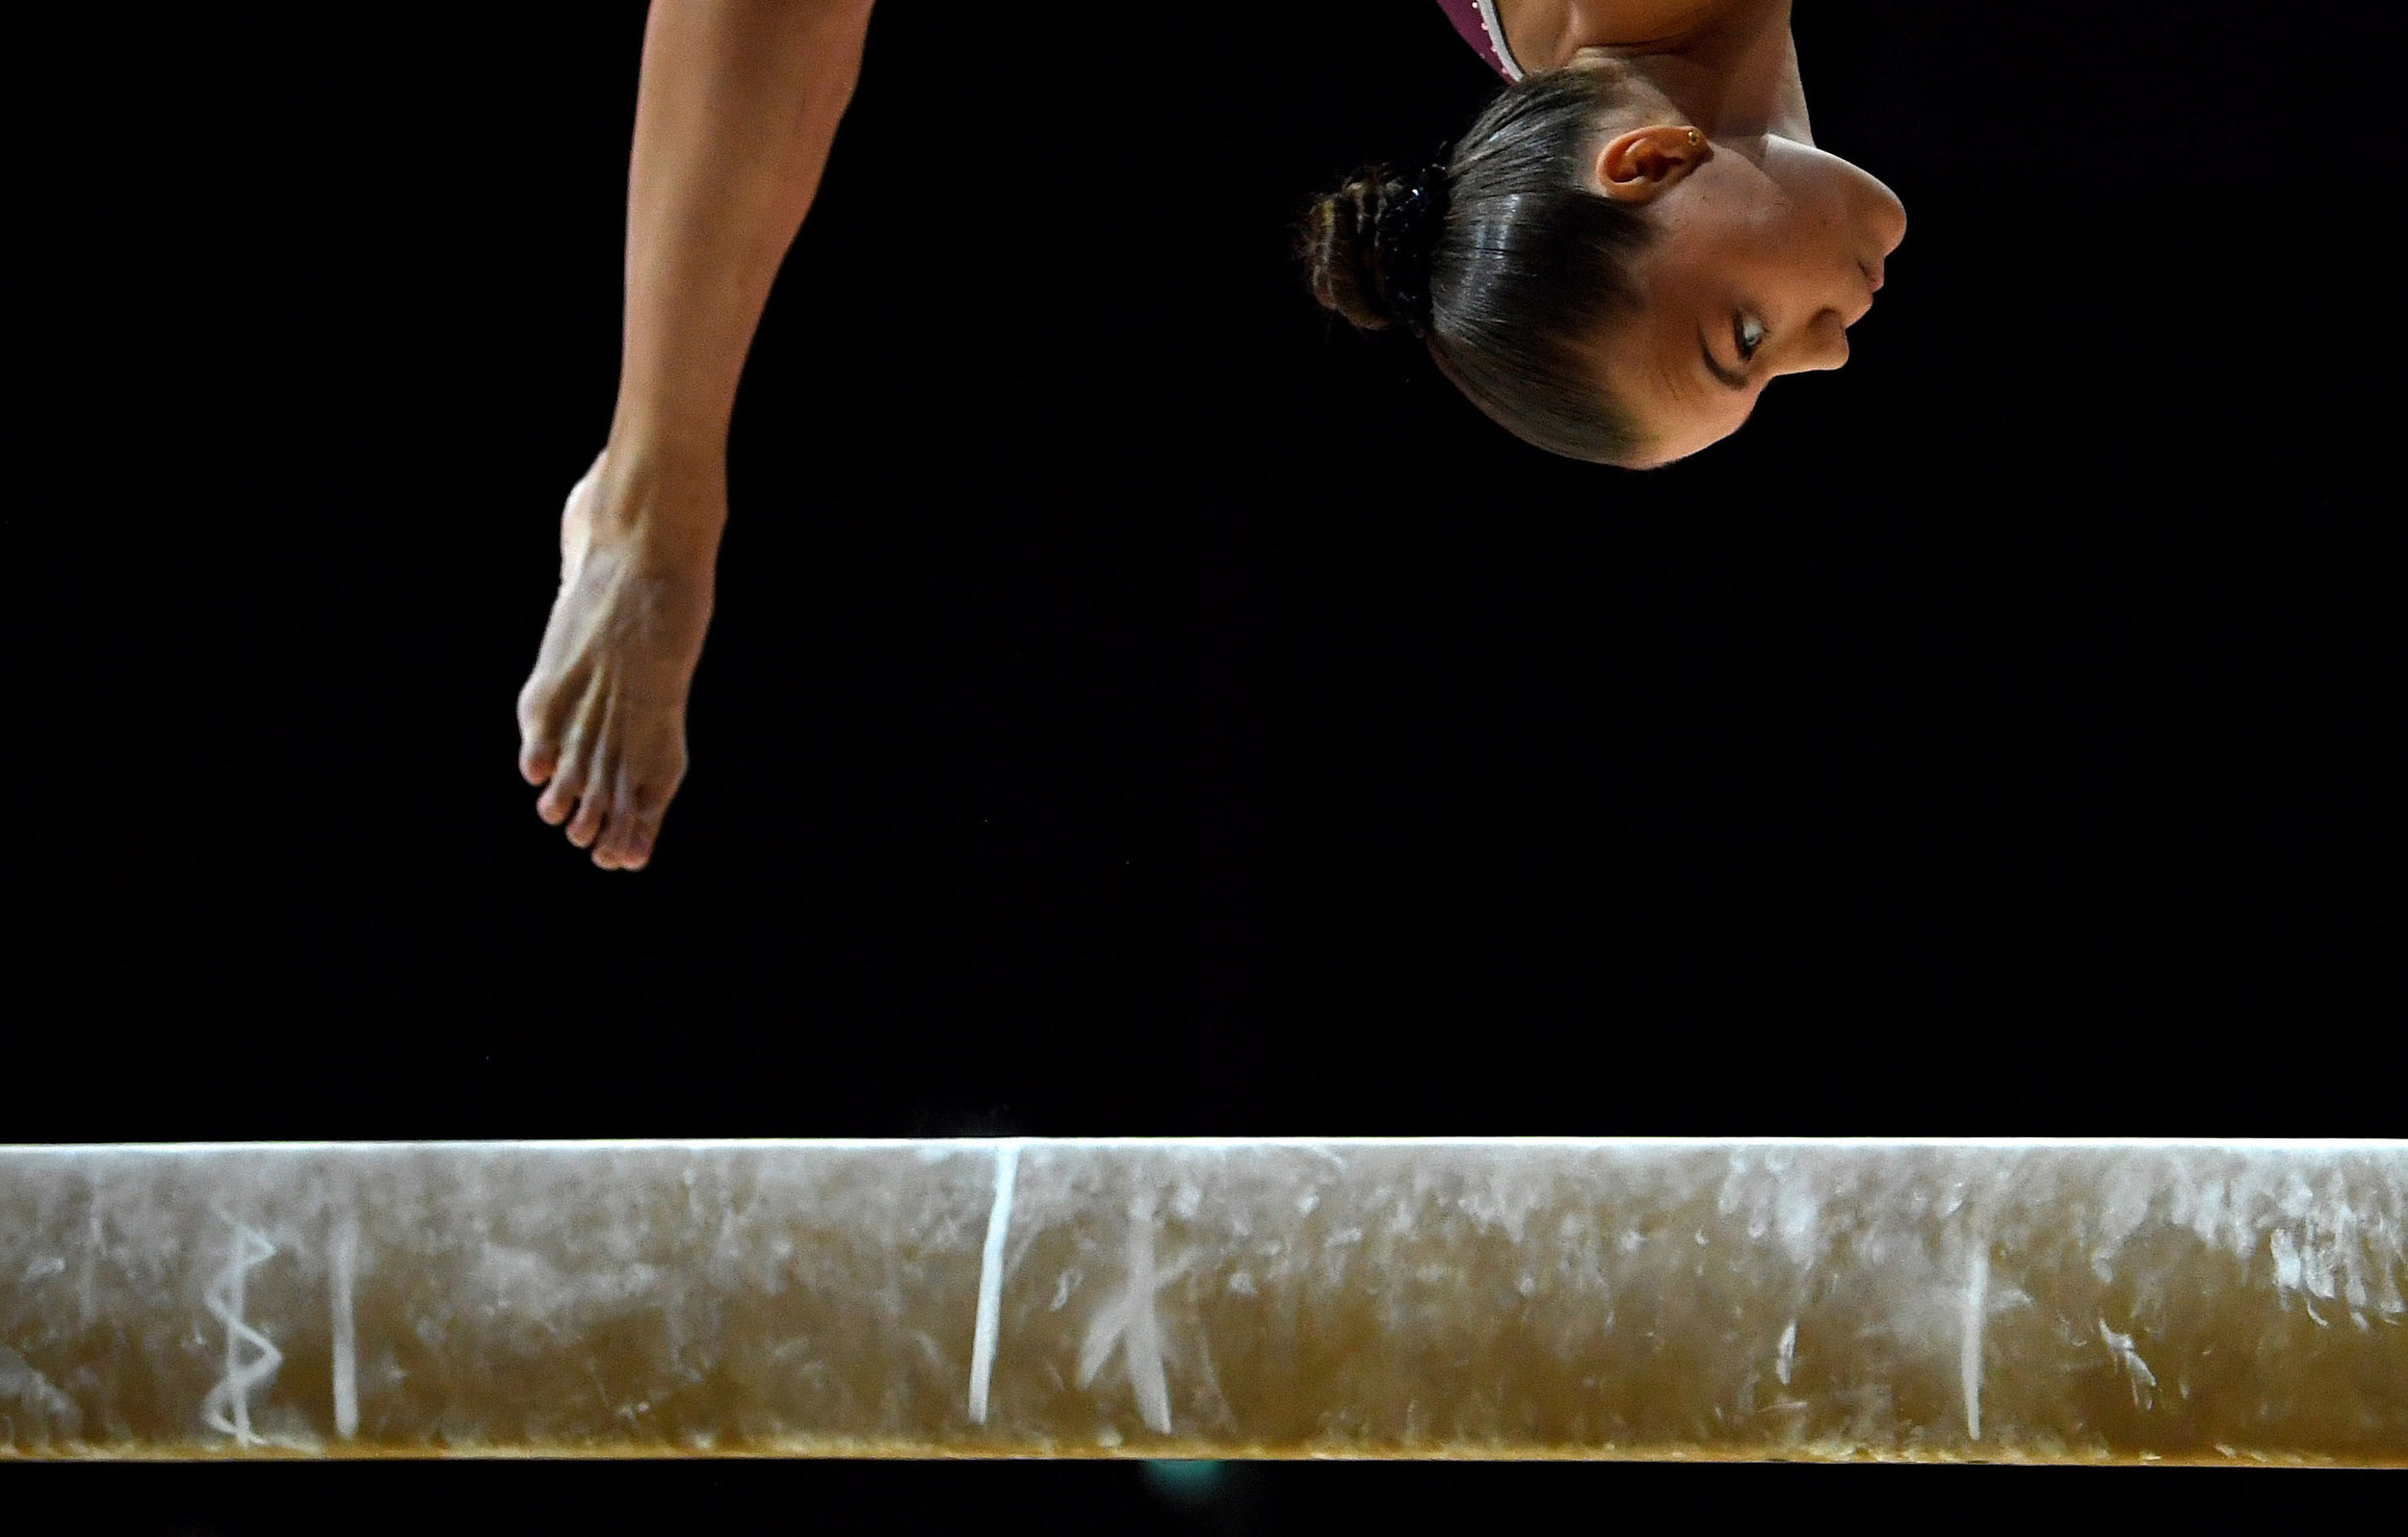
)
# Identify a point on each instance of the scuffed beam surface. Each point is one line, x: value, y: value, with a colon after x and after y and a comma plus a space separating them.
x: 1937, y: 1300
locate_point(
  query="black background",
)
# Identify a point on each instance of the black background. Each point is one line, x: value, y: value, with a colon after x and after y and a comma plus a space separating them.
x: 1138, y: 704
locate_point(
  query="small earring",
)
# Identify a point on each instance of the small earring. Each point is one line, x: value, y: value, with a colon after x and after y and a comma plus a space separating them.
x: 1692, y: 136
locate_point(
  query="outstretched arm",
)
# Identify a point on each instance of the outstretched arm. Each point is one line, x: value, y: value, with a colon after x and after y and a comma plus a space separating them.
x: 738, y: 106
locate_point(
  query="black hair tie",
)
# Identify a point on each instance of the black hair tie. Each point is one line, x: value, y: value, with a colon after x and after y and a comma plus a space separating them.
x: 1407, y: 236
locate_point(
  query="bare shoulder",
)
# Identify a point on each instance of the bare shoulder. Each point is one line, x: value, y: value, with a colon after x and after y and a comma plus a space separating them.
x: 1639, y: 21
x: 1564, y: 25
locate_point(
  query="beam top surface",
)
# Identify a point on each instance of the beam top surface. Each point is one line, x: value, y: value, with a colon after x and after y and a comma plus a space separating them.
x: 2057, y: 1299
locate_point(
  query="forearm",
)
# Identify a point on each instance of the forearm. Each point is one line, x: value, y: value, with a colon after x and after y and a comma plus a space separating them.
x: 738, y: 105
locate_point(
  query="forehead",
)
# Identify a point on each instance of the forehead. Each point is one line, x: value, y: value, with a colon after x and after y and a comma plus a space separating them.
x: 1653, y: 364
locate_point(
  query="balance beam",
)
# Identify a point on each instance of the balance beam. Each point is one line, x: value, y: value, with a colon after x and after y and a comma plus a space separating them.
x: 1945, y: 1300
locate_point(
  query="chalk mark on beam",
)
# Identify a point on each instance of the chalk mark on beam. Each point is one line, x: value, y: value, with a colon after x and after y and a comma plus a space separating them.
x: 1130, y: 1323
x: 344, y: 1257
x: 991, y: 1278
x: 226, y: 1406
x: 1968, y: 1336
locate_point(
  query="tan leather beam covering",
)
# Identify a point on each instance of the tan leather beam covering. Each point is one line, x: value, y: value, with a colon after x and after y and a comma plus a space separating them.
x: 2047, y: 1302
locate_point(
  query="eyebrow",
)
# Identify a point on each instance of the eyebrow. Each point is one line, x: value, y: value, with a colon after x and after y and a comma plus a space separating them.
x: 1728, y: 379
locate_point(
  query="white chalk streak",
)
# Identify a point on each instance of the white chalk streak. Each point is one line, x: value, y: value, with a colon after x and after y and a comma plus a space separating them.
x: 1969, y: 1334
x: 91, y: 1261
x: 992, y: 1279
x: 2144, y: 1381
x: 1141, y: 1338
x: 1129, y: 1324
x: 226, y: 1406
x: 345, y: 1256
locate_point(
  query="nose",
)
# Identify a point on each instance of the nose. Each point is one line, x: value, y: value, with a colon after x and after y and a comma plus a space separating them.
x: 1852, y: 302
x: 1825, y: 346
x: 1880, y: 226
x: 1889, y: 222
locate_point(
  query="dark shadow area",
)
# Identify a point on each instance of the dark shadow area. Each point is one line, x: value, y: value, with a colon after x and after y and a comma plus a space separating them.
x: 1107, y: 1500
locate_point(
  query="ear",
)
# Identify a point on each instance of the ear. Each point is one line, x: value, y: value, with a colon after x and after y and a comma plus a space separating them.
x: 1640, y: 166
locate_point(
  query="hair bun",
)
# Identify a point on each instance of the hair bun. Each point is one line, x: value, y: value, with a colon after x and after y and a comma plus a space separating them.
x: 1367, y: 245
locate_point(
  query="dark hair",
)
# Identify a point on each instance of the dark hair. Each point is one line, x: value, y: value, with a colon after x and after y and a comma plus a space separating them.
x: 1502, y: 261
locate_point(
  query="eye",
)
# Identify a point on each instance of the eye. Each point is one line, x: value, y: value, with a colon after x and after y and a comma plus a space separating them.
x: 1747, y: 334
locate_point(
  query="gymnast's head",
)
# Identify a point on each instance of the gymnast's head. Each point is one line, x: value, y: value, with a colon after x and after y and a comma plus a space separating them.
x: 1602, y: 277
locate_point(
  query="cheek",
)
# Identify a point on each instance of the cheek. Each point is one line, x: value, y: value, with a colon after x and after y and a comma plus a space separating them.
x: 1744, y: 223
x: 1756, y: 259
x: 1716, y: 245
x: 1821, y: 193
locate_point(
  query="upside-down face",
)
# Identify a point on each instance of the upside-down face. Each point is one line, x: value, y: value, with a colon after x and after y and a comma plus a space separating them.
x: 1766, y: 251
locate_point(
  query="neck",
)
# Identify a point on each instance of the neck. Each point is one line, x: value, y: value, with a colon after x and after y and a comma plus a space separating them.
x: 1728, y: 65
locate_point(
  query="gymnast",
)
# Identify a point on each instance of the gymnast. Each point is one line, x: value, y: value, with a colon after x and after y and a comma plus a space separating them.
x: 1624, y: 247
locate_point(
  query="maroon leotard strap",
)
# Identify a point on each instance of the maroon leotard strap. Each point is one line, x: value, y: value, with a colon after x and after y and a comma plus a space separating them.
x: 1465, y: 14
